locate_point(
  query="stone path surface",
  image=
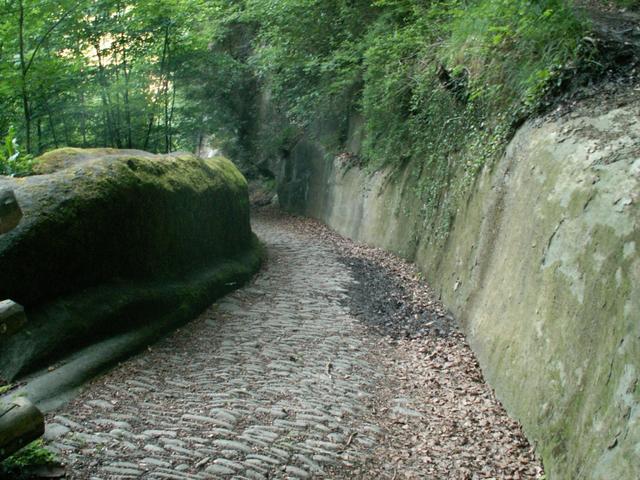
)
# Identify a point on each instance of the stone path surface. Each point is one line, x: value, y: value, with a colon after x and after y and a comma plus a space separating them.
x: 276, y: 381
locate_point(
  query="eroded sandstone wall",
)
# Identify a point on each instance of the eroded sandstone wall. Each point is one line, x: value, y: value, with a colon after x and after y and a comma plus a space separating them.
x: 541, y: 266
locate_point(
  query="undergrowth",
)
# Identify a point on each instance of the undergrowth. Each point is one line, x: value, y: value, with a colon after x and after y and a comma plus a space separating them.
x: 441, y: 84
x: 498, y: 58
x: 13, y: 162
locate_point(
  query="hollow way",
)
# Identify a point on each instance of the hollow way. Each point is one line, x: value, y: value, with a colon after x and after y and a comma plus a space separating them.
x: 332, y: 363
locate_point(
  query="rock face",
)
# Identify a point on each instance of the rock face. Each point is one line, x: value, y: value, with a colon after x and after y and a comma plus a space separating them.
x: 10, y: 213
x: 20, y: 424
x: 114, y: 240
x: 12, y: 317
x: 541, y: 265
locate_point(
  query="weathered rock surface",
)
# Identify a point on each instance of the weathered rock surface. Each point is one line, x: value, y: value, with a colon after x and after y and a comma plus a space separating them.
x: 541, y: 265
x: 117, y: 240
x: 12, y: 317
x: 10, y: 212
x: 20, y: 423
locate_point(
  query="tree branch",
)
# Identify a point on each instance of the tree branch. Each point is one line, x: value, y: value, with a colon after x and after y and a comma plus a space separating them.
x: 49, y: 32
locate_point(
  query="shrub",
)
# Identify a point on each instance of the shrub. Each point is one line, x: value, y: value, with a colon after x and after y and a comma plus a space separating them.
x: 12, y: 161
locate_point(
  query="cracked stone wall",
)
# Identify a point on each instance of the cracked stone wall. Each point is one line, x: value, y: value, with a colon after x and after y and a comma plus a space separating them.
x: 541, y: 266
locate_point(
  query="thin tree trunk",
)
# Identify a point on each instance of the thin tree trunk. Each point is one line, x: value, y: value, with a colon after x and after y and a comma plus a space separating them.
x: 106, y: 101
x: 163, y: 62
x: 107, y: 134
x: 166, y: 121
x: 39, y: 133
x: 23, y: 78
x: 127, y: 106
x: 25, y: 64
x: 83, y: 120
x: 65, y: 129
x: 52, y: 126
x: 116, y: 105
x: 173, y: 104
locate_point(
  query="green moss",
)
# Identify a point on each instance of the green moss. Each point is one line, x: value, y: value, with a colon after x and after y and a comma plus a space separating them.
x: 56, y: 160
x: 111, y: 222
x: 123, y: 215
x: 229, y: 171
x: 62, y: 158
x: 31, y: 456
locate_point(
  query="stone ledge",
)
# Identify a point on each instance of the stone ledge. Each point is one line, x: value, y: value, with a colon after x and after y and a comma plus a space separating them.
x: 20, y: 424
x: 12, y: 318
x: 10, y: 212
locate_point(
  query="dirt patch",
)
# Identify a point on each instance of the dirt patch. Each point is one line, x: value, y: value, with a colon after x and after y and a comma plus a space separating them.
x: 392, y: 304
x: 612, y: 76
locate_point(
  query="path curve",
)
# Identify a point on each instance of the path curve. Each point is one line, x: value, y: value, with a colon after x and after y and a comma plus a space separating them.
x: 277, y: 380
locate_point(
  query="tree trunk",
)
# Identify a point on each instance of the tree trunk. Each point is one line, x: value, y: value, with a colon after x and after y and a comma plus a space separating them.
x: 127, y: 107
x: 106, y: 101
x: 52, y: 126
x: 39, y: 133
x: 83, y: 120
x: 171, y: 110
x: 24, y: 93
x: 163, y: 62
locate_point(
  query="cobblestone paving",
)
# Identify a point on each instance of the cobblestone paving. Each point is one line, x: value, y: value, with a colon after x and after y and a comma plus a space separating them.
x: 274, y: 381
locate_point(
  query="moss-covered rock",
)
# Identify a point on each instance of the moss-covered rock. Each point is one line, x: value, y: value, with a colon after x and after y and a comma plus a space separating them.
x: 130, y: 215
x: 113, y: 240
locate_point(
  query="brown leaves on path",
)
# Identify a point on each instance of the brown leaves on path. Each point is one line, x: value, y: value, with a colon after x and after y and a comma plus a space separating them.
x: 441, y: 420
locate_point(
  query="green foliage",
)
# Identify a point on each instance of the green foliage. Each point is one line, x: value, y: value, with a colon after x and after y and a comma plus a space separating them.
x: 440, y: 83
x: 323, y: 60
x: 632, y: 4
x: 505, y: 50
x: 12, y: 161
x: 5, y: 388
x: 512, y: 48
x: 33, y: 455
x: 308, y: 52
x: 106, y: 73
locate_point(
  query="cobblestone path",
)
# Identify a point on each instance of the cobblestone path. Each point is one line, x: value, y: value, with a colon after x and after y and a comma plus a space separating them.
x: 279, y: 381
x: 271, y: 382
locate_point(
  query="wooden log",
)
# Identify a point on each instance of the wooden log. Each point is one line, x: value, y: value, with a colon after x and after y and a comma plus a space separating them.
x: 10, y: 212
x: 20, y: 424
x: 12, y: 318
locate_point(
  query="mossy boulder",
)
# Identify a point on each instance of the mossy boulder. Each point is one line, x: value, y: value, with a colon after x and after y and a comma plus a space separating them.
x: 128, y: 215
x: 111, y: 240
